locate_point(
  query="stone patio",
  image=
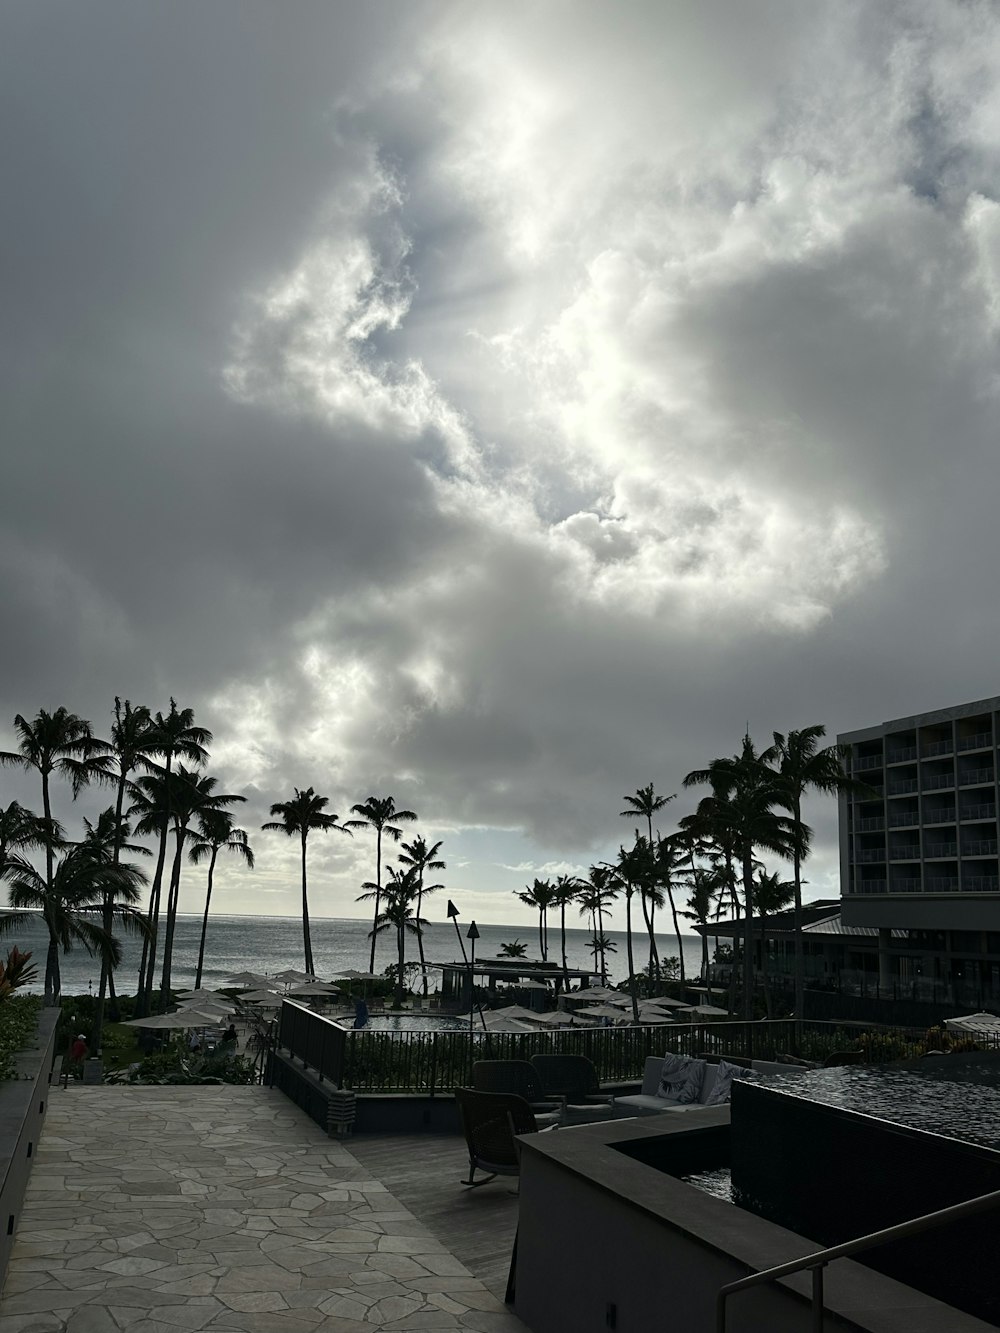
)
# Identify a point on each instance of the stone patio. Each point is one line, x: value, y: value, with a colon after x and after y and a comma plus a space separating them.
x: 164, y: 1209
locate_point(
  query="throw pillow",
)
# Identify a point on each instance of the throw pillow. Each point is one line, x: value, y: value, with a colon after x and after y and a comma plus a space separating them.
x: 722, y: 1091
x: 681, y: 1079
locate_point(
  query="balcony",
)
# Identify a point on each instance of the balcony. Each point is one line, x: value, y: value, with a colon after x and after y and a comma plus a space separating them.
x: 941, y: 884
x: 940, y: 816
x: 981, y: 884
x: 904, y: 787
x: 869, y: 886
x: 904, y: 819
x: 901, y: 756
x: 938, y: 747
x: 905, y: 886
x: 904, y: 853
x: 974, y: 776
x: 936, y: 781
x: 869, y: 855
x: 984, y: 847
x: 871, y: 825
x: 867, y: 761
x: 941, y: 849
x: 977, y: 812
x: 983, y: 740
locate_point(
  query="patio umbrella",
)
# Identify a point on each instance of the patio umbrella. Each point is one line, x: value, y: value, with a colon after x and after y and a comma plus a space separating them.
x: 315, y: 988
x: 245, y: 979
x: 202, y: 994
x: 207, y: 1007
x: 709, y: 1011
x: 183, y: 1018
x: 292, y: 974
x: 349, y: 974
x: 530, y: 985
x: 981, y: 1024
x: 260, y: 996
x: 668, y: 1002
x: 602, y: 1011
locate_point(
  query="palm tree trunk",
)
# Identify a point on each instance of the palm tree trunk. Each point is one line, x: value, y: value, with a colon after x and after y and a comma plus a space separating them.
x: 107, y: 921
x: 800, y: 962
x: 204, y: 923
x: 378, y: 894
x: 52, y: 957
x: 631, y: 960
x: 53, y: 983
x: 764, y: 967
x: 306, y: 932
x: 173, y: 894
x: 400, y: 954
x: 420, y: 934
x: 147, y: 969
x: 677, y: 928
x: 562, y: 931
x: 541, y: 937
x: 748, y: 934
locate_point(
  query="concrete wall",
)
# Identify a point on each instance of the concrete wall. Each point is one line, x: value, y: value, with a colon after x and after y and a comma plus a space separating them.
x: 22, y: 1110
x: 606, y: 1241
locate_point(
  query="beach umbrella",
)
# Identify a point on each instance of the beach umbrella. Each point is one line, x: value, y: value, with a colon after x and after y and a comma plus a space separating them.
x: 530, y: 985
x: 246, y: 979
x: 208, y: 1007
x: 981, y: 1024
x: 708, y: 1011
x: 668, y: 1002
x: 508, y: 1025
x: 350, y: 974
x: 292, y: 974
x: 201, y: 994
x: 602, y: 1011
x: 183, y: 1018
x: 314, y: 988
x: 261, y: 996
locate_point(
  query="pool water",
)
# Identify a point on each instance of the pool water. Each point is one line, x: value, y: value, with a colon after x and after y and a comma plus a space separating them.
x: 415, y: 1023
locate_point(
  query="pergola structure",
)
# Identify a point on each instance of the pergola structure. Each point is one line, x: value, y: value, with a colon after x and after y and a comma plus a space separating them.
x: 520, y: 973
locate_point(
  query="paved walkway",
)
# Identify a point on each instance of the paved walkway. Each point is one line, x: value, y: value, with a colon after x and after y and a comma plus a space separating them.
x: 155, y: 1210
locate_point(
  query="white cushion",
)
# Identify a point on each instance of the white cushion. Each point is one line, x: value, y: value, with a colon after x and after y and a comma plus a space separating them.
x: 722, y: 1091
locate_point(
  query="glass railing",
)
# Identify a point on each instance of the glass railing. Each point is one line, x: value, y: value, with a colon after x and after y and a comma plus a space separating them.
x: 981, y: 884
x: 903, y: 818
x: 904, y: 853
x: 977, y: 812
x: 941, y: 817
x: 869, y: 856
x: 867, y: 761
x: 975, y: 775
x: 905, y: 886
x: 939, y: 849
x: 935, y: 781
x: 942, y: 884
x: 981, y: 741
x: 984, y: 847
x: 938, y: 747
x: 870, y: 825
x: 901, y: 756
x: 903, y: 788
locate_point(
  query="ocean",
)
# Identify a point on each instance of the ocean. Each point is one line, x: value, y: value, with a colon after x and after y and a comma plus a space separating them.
x: 271, y: 944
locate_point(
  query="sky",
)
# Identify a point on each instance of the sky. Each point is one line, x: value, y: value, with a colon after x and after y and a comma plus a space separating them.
x: 500, y: 407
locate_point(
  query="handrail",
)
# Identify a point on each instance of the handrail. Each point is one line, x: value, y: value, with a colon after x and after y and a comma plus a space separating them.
x: 818, y: 1260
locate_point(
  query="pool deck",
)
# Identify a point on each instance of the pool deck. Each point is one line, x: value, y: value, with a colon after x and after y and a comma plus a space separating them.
x: 163, y: 1209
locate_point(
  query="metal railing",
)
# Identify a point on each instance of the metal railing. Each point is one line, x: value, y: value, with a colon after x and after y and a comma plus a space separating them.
x: 817, y: 1261
x: 940, y: 816
x: 901, y: 756
x: 983, y: 847
x: 873, y: 824
x: 975, y: 777
x: 317, y: 1041
x: 868, y: 761
x: 980, y: 741
x: 978, y: 812
x: 937, y: 781
x: 904, y: 787
x: 905, y: 853
x: 938, y: 747
x: 904, y: 818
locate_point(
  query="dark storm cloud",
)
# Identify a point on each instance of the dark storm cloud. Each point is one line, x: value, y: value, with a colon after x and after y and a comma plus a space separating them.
x: 501, y: 407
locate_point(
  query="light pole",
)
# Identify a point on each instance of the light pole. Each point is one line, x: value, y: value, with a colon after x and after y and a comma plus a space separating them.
x: 472, y: 934
x: 453, y: 913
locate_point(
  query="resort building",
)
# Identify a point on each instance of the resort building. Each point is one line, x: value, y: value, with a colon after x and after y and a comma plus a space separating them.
x: 918, y: 848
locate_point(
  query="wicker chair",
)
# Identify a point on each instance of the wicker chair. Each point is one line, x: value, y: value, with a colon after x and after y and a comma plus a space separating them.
x: 572, y: 1078
x: 491, y: 1122
x: 518, y: 1077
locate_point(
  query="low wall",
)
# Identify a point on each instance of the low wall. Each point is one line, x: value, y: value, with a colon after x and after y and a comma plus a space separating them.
x: 606, y: 1240
x: 22, y: 1110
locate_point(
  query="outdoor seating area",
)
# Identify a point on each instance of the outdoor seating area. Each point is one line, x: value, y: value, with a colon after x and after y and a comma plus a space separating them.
x: 682, y: 1083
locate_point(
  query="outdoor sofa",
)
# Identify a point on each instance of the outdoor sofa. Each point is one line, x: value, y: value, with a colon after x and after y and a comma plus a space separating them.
x: 693, y: 1083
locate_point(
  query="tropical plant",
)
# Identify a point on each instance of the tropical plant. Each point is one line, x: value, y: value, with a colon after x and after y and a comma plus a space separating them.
x: 67, y: 904
x: 596, y: 894
x: 399, y: 899
x: 173, y: 737
x: 701, y: 902
x: 742, y: 808
x: 644, y: 805
x: 539, y: 895
x: 512, y: 949
x: 299, y: 817
x: 629, y: 871
x: 20, y: 831
x: 422, y: 858
x: 802, y: 767
x: 380, y: 814
x: 564, y: 892
x: 216, y: 833
x: 129, y: 750
x: 16, y: 970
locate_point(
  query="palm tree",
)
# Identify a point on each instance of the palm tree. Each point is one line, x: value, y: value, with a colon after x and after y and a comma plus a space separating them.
x: 129, y: 750
x: 598, y: 892
x: 771, y: 895
x: 803, y: 766
x: 173, y: 737
x: 182, y: 797
x: 645, y: 804
x: 539, y: 895
x: 80, y: 882
x: 399, y: 898
x: 216, y: 833
x: 564, y: 892
x: 629, y: 871
x: 298, y: 817
x: 422, y: 858
x: 20, y: 831
x: 746, y: 792
x: 512, y: 949
x: 379, y: 813
x: 58, y: 742
x: 704, y: 887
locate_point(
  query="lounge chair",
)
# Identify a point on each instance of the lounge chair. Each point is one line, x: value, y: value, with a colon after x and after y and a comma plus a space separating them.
x: 491, y: 1122
x: 519, y: 1078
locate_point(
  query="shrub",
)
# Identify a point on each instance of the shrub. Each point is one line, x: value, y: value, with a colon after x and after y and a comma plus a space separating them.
x: 18, y: 1020
x: 169, y: 1067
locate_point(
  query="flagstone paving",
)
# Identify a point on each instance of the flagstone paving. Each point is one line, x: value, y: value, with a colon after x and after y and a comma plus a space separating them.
x: 159, y: 1210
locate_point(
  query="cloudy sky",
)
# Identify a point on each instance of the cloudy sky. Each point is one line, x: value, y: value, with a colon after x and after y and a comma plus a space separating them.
x: 496, y: 406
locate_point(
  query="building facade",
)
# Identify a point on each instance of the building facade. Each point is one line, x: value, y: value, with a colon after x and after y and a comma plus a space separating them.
x: 919, y: 847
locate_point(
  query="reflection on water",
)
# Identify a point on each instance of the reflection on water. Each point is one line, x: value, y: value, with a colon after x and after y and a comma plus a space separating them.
x: 415, y: 1023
